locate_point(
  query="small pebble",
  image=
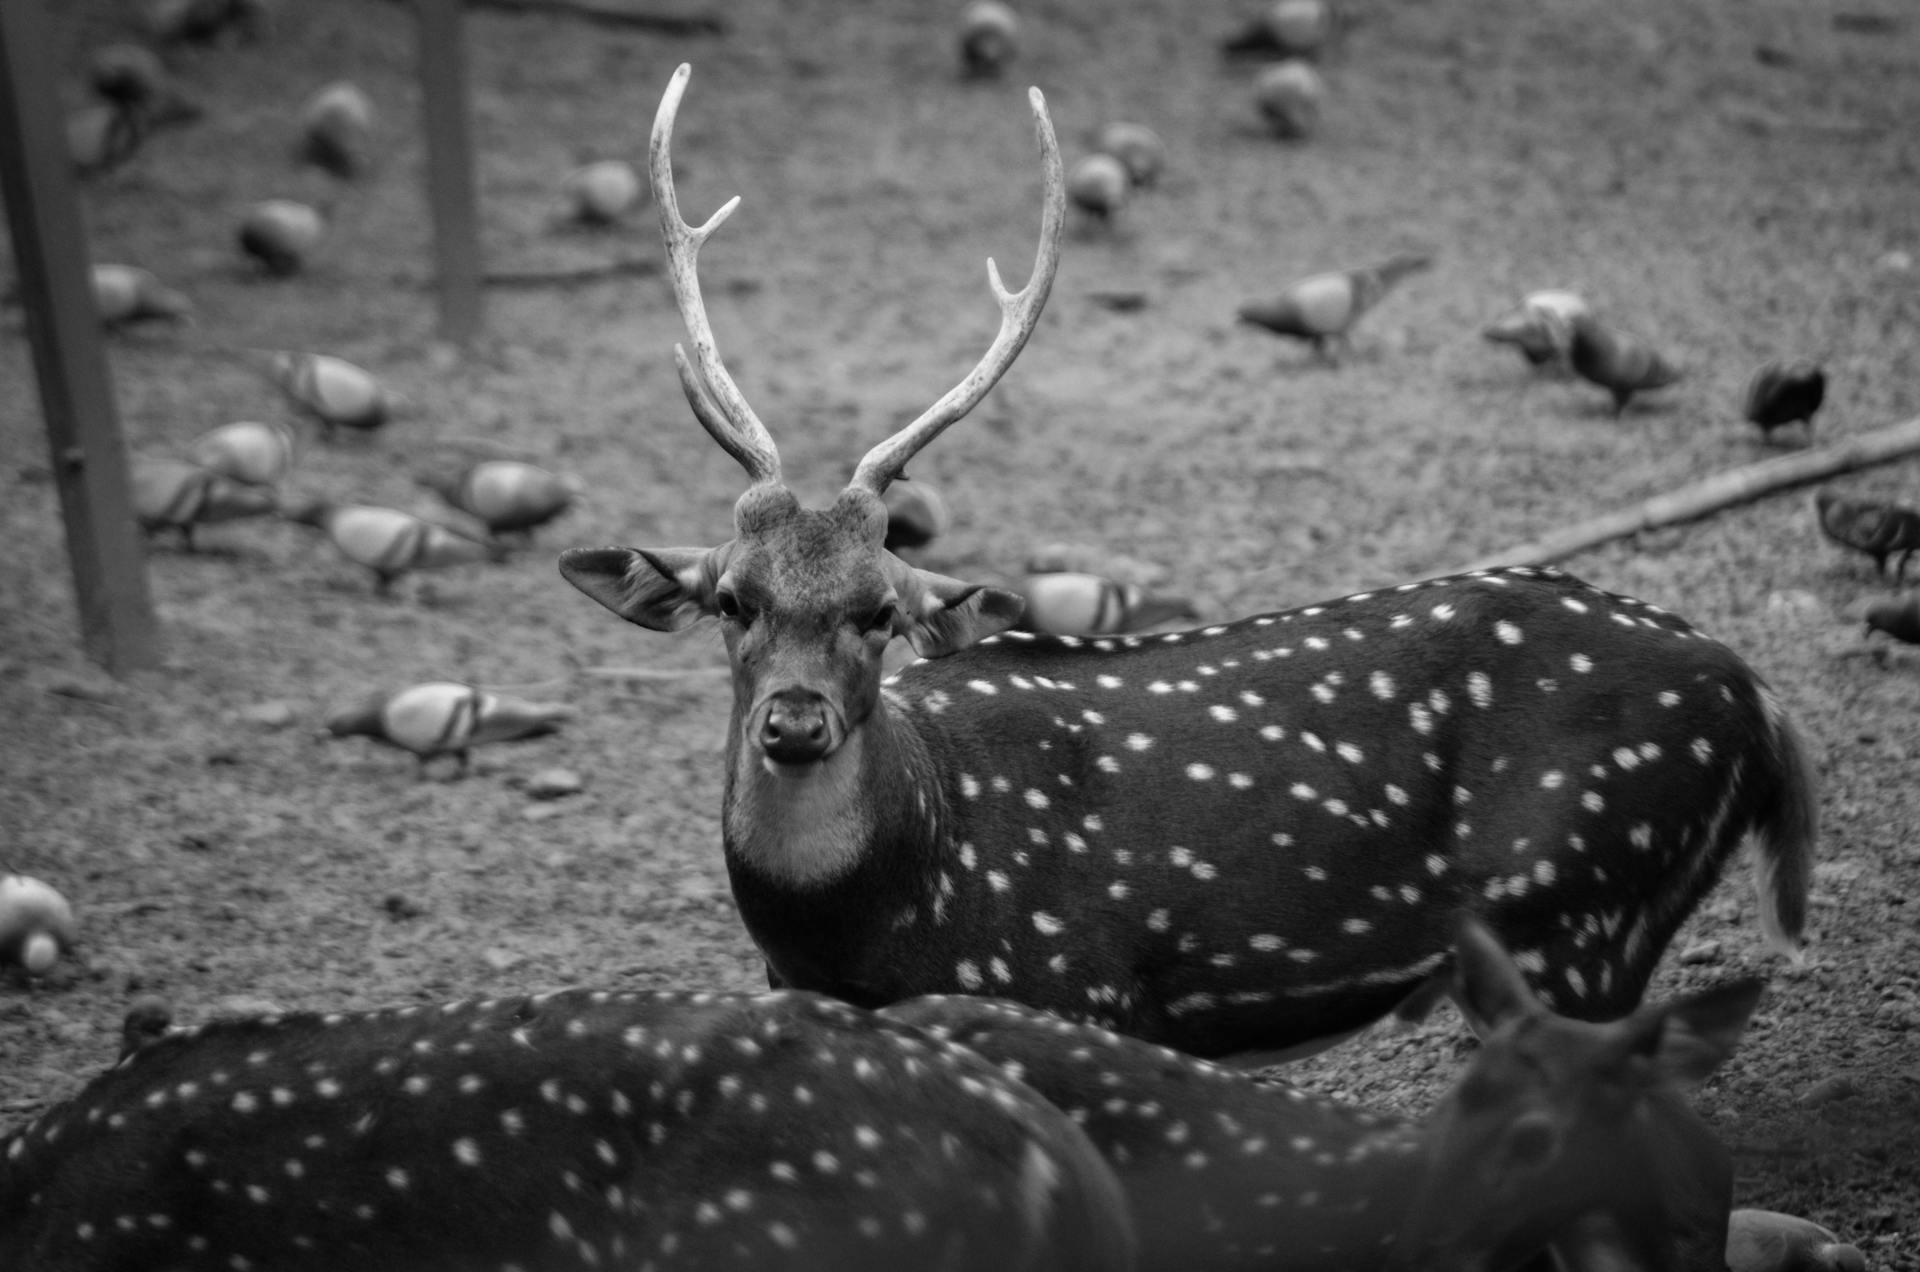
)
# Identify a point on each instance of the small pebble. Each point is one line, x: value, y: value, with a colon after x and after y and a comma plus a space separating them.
x: 1703, y: 952
x: 541, y: 812
x: 274, y: 714
x: 555, y: 783
x: 1840, y: 1086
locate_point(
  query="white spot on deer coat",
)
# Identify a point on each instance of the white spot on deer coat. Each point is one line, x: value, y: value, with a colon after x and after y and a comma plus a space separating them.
x: 1046, y: 924
x: 1580, y: 663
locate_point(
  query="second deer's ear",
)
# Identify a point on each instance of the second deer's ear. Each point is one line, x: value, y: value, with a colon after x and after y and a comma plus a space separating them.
x: 945, y: 616
x: 1488, y: 986
x: 664, y: 589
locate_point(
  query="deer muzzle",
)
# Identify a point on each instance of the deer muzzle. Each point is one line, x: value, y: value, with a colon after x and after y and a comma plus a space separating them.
x: 795, y: 729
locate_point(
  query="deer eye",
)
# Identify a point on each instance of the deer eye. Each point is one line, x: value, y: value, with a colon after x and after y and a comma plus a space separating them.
x: 729, y: 606
x: 884, y: 618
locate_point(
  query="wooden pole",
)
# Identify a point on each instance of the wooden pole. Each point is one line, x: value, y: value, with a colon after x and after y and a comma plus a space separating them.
x: 1713, y: 493
x: 450, y: 186
x: 83, y: 430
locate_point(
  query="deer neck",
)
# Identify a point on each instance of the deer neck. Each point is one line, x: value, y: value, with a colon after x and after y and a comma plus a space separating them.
x: 810, y: 831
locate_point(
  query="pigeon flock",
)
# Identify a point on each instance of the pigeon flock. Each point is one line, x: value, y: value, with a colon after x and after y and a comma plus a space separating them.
x: 490, y: 506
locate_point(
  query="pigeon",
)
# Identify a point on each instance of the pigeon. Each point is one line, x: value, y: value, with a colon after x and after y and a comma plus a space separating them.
x: 1323, y: 308
x: 1899, y: 619
x: 1768, y: 1241
x: 145, y: 1023
x: 603, y: 192
x: 1541, y: 328
x: 1287, y: 28
x: 1875, y: 528
x: 333, y: 391
x: 916, y: 514
x: 443, y: 717
x: 1289, y: 94
x: 1138, y: 148
x: 131, y: 80
x: 336, y: 130
x: 1098, y: 185
x: 504, y: 494
x: 1082, y: 558
x: 127, y: 294
x: 1072, y: 604
x: 989, y: 38
x: 101, y: 137
x: 1620, y: 363
x: 172, y: 494
x: 248, y: 451
x: 1782, y: 393
x: 281, y: 234
x: 390, y: 542
x: 36, y: 923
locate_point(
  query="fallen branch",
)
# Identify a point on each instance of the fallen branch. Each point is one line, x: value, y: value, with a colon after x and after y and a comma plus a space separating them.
x: 614, y: 15
x: 1722, y: 490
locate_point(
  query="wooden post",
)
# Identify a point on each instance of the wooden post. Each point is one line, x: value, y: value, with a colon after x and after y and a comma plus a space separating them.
x: 56, y: 289
x: 450, y: 189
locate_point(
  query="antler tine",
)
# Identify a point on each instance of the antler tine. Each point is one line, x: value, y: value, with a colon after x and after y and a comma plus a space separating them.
x: 716, y: 400
x: 1019, y: 314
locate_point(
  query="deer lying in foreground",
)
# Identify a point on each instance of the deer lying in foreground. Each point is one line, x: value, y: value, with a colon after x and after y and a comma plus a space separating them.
x: 1244, y: 837
x: 558, y: 1132
x: 1560, y: 1134
x: 641, y: 1131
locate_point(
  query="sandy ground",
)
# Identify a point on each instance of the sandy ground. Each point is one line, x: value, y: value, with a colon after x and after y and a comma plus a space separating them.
x: 1734, y: 181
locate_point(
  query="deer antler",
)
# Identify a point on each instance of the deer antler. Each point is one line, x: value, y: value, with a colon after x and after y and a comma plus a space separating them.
x: 1019, y: 313
x: 716, y: 400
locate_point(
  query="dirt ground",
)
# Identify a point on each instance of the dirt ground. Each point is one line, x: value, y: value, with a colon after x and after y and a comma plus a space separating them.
x: 1733, y: 179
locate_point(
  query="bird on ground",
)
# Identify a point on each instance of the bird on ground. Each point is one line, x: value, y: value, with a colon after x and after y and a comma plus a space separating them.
x: 248, y: 451
x: 443, y: 717
x: 389, y: 542
x: 503, y: 494
x: 281, y: 234
x: 336, y: 130
x: 172, y: 494
x: 36, y: 923
x: 1768, y: 1241
x: 1783, y: 393
x: 1541, y: 328
x: 1286, y: 28
x: 1872, y: 526
x: 1138, y: 148
x: 1322, y: 308
x: 1289, y: 95
x: 916, y: 514
x: 131, y: 80
x: 602, y: 192
x: 101, y: 137
x: 1099, y: 185
x: 127, y: 294
x: 1071, y: 604
x: 989, y: 39
x: 1899, y: 619
x: 1618, y: 362
x: 334, y: 392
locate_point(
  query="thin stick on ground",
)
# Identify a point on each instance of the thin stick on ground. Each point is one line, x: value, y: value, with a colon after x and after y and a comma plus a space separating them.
x: 1722, y: 490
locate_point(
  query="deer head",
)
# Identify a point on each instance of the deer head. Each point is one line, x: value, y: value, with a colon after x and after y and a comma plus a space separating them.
x: 808, y: 599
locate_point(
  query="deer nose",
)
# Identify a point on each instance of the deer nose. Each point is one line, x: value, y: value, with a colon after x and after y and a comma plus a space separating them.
x: 795, y: 728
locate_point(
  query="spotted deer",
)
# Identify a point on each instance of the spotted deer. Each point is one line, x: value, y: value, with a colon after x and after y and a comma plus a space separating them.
x: 558, y: 1132
x: 1559, y: 1135
x: 1244, y: 837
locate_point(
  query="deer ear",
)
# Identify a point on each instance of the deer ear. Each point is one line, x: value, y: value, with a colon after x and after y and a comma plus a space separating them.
x: 944, y: 615
x: 1487, y: 984
x: 664, y: 589
x: 1692, y: 1036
